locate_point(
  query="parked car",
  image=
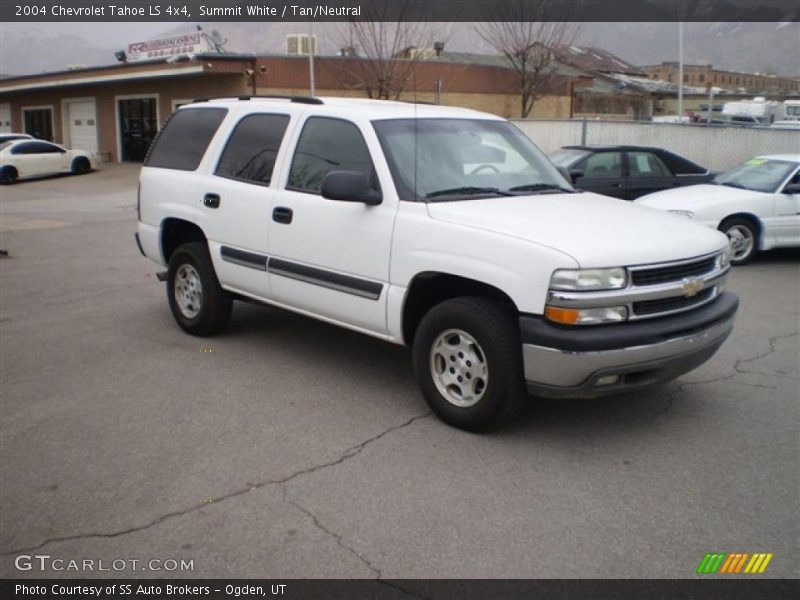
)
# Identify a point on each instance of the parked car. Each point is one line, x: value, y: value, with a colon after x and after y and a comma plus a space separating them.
x: 757, y: 204
x: 10, y: 137
x: 627, y: 172
x: 26, y: 158
x: 440, y: 228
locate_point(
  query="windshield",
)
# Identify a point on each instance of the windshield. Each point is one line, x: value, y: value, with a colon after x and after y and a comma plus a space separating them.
x: 566, y: 157
x: 757, y: 174
x: 449, y: 159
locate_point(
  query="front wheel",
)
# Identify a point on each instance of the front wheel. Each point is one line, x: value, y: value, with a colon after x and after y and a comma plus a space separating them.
x: 743, y: 237
x: 81, y: 165
x: 467, y: 359
x: 198, y: 302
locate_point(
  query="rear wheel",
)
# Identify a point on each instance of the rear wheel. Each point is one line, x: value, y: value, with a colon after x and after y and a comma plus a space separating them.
x: 743, y: 236
x: 198, y: 302
x: 467, y: 359
x: 81, y: 165
x: 8, y: 175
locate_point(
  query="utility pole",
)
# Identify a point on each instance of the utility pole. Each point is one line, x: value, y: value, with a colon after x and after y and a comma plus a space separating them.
x: 311, y: 50
x: 680, y: 71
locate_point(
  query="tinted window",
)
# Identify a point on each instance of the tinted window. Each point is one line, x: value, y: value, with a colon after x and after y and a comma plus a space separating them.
x: 35, y: 148
x: 184, y: 139
x: 646, y: 164
x: 251, y: 150
x: 602, y: 165
x: 327, y: 145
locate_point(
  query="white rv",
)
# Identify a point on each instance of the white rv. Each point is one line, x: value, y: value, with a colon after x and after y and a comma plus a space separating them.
x: 758, y: 111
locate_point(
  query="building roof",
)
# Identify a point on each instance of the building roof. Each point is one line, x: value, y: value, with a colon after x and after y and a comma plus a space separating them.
x: 591, y: 58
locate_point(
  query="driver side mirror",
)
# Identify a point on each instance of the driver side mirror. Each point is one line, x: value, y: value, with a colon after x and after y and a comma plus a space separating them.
x: 575, y: 174
x: 350, y: 186
x: 792, y: 188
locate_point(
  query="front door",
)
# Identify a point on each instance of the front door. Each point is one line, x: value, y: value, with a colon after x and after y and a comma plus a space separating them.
x: 602, y: 174
x: 329, y: 257
x: 786, y: 224
x: 138, y: 125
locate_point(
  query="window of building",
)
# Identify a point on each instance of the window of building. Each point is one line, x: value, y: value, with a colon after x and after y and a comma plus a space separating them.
x: 701, y: 78
x: 184, y: 138
x: 327, y: 145
x: 685, y: 78
x: 252, y: 148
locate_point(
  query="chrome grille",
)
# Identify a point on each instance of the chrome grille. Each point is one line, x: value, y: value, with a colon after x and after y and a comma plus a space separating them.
x: 656, y: 275
x: 664, y: 305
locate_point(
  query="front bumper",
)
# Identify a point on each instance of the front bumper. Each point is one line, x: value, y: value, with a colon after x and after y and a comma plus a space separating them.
x: 591, y: 361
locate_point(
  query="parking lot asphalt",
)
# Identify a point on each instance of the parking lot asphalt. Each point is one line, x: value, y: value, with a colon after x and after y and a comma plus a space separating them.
x: 288, y: 448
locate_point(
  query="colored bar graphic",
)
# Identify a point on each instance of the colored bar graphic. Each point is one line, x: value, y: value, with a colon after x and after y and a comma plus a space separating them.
x: 734, y: 563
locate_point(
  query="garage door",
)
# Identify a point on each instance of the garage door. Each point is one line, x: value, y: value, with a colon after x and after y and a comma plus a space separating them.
x: 82, y: 119
x: 5, y: 118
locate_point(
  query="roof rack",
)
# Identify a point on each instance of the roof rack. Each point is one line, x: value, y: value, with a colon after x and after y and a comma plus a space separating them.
x: 297, y: 99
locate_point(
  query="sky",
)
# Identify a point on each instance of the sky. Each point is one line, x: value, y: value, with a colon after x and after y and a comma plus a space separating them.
x: 100, y: 34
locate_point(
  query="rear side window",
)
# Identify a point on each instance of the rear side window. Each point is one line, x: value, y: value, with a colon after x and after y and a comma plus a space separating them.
x: 184, y: 138
x: 328, y: 145
x: 252, y: 148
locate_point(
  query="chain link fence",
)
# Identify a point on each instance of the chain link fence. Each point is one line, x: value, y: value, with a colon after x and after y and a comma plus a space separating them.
x: 716, y: 147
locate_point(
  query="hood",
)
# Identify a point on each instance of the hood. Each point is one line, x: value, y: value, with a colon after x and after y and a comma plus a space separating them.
x: 595, y: 230
x: 696, y: 197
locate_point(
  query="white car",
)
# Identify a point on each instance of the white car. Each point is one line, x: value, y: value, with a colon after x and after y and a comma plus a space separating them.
x: 757, y: 204
x: 9, y: 137
x: 26, y: 158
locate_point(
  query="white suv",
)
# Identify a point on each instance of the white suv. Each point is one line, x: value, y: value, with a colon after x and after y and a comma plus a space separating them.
x: 439, y: 228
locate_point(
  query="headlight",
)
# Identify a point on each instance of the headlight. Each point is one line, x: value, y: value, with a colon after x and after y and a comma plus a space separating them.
x: 589, y: 279
x: 684, y: 213
x: 586, y: 316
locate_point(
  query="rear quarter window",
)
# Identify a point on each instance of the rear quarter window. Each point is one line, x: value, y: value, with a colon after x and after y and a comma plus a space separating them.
x: 184, y: 138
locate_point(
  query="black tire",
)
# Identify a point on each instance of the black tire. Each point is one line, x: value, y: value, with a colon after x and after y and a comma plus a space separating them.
x: 496, y: 336
x: 81, y: 165
x: 8, y: 175
x: 212, y: 309
x: 743, y: 235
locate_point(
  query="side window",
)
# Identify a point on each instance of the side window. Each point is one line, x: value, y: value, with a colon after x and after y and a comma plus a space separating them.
x: 646, y: 164
x: 22, y: 148
x: 327, y: 145
x: 45, y: 148
x: 182, y: 142
x: 603, y: 165
x: 252, y: 148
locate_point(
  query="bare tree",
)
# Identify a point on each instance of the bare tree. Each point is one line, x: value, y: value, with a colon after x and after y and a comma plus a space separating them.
x: 381, y: 48
x: 514, y: 30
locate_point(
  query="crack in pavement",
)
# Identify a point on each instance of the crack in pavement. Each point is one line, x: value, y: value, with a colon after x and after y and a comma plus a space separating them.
x: 351, y: 452
x: 773, y: 348
x: 679, y: 387
x: 340, y: 542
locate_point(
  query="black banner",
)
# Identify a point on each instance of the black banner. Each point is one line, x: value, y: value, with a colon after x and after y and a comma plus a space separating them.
x: 398, y: 10
x: 733, y: 588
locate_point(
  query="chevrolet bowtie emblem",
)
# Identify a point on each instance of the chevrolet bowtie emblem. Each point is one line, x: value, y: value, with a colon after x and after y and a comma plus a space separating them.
x: 692, y: 287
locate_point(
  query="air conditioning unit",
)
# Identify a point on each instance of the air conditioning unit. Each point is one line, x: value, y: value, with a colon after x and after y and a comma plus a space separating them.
x: 301, y: 44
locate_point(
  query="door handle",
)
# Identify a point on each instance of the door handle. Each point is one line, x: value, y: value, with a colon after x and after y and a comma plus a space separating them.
x: 282, y: 214
x: 616, y: 185
x: 211, y: 200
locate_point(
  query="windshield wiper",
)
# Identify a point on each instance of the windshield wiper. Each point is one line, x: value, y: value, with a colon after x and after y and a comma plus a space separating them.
x: 467, y: 191
x: 542, y: 187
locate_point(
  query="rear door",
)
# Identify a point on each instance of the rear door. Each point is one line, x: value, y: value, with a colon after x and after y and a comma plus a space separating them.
x: 237, y: 202
x: 646, y: 173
